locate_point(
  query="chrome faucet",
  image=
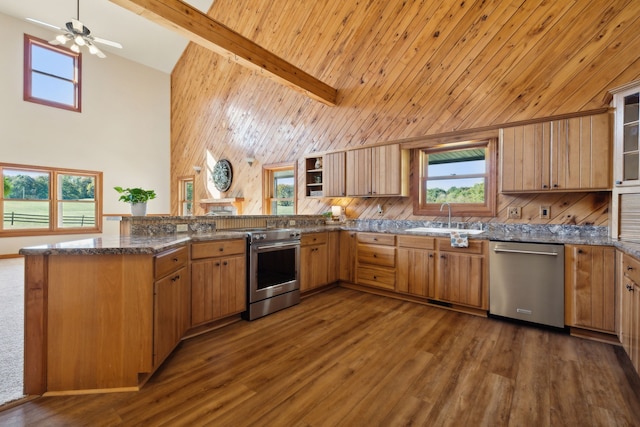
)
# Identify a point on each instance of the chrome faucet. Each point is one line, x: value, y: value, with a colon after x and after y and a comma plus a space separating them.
x: 449, y: 208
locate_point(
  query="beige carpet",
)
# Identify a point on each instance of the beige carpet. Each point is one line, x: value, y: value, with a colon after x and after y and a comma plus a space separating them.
x: 11, y: 328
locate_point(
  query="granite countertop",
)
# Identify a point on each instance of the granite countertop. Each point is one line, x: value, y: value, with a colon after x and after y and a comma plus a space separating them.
x: 156, y: 244
x: 116, y: 245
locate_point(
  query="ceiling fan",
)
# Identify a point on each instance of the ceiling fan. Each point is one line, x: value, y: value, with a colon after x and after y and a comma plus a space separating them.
x: 79, y: 35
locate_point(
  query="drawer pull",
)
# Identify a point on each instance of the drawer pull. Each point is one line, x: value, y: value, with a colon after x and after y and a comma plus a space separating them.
x: 176, y: 278
x: 629, y: 268
x: 175, y: 260
x: 629, y: 288
x: 224, y: 263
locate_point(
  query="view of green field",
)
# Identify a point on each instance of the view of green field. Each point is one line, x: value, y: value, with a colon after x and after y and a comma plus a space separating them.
x: 35, y: 214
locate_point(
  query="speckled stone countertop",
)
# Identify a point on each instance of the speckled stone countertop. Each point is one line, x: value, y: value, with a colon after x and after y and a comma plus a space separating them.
x: 153, y: 244
x: 115, y: 245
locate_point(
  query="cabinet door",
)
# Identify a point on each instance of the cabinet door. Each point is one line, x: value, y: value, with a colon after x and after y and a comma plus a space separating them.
x: 230, y: 292
x: 359, y: 172
x: 387, y: 171
x: 333, y: 256
x: 218, y: 288
x: 415, y: 272
x: 524, y: 158
x: 590, y: 287
x: 313, y: 266
x: 334, y: 169
x: 170, y: 304
x: 348, y: 256
x: 630, y: 320
x: 581, y: 153
x: 460, y: 279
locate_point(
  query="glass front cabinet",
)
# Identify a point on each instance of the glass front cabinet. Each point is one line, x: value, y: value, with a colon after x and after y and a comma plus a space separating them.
x: 627, y: 140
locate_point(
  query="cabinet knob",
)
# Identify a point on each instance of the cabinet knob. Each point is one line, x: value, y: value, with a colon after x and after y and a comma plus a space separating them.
x: 224, y: 263
x: 618, y: 182
x: 176, y: 278
x: 221, y: 249
x: 545, y: 186
x: 175, y: 260
x: 629, y: 287
x: 555, y: 185
x: 375, y: 277
x: 629, y: 268
x: 580, y: 251
x: 375, y: 255
x: 217, y: 264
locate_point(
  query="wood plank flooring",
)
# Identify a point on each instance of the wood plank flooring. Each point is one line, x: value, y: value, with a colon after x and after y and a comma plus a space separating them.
x: 348, y: 358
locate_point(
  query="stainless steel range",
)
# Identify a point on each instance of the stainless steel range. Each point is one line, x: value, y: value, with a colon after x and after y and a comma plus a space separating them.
x: 272, y: 271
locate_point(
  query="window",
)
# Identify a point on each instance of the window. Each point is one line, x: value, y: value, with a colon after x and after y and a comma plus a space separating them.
x: 462, y: 174
x: 39, y: 200
x: 51, y: 74
x: 185, y: 194
x: 279, y: 189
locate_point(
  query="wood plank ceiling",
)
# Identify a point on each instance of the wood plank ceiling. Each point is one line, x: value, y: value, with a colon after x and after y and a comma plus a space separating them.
x: 403, y: 69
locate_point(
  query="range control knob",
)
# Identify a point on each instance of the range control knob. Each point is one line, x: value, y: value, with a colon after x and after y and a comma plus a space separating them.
x: 263, y: 236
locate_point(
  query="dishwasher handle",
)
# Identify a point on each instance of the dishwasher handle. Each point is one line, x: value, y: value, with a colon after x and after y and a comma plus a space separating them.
x: 517, y: 251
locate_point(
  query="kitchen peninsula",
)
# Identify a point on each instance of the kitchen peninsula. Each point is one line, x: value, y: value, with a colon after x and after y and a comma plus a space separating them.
x: 103, y: 314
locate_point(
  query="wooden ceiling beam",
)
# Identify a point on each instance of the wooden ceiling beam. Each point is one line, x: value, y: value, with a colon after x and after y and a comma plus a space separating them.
x: 207, y: 32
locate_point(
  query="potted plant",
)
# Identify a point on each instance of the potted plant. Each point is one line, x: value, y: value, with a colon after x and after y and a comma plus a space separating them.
x: 137, y: 197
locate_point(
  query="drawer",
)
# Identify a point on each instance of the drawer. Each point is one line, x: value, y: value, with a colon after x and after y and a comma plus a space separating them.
x: 377, y: 238
x: 381, y: 256
x: 380, y: 278
x: 417, y: 242
x: 313, y: 238
x: 171, y: 260
x: 217, y: 248
x: 631, y: 268
x: 475, y: 246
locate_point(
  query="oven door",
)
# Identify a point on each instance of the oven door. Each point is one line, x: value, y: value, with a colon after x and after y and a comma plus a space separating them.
x: 273, y: 269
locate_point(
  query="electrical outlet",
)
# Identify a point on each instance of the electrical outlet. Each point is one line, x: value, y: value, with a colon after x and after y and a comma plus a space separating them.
x: 515, y: 212
x: 292, y: 222
x: 182, y: 228
x: 545, y: 212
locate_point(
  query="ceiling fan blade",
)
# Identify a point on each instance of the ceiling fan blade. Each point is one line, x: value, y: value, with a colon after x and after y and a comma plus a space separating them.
x: 107, y: 42
x: 35, y: 21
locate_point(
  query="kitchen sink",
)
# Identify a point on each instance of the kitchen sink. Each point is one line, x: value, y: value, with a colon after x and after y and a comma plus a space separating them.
x: 441, y: 230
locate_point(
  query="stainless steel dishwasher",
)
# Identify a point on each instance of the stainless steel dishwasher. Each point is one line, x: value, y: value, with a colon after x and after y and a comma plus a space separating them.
x: 526, y: 282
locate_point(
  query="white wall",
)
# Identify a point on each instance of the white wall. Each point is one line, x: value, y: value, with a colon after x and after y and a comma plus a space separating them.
x: 123, y: 130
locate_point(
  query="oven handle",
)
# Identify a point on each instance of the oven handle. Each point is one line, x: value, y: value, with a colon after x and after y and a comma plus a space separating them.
x: 276, y: 246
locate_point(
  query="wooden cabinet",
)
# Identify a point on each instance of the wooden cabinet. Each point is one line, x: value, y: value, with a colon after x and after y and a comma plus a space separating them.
x: 376, y: 260
x: 462, y: 273
x: 416, y: 266
x: 313, y: 261
x: 218, y: 279
x: 313, y: 174
x: 590, y: 287
x: 333, y: 256
x: 627, y: 135
x: 334, y: 170
x: 377, y: 171
x: 348, y: 247
x: 629, y: 290
x: 563, y: 155
x: 171, y: 316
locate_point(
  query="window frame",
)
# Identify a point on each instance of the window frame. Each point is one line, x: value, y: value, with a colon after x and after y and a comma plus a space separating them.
x: 29, y: 42
x: 182, y: 194
x: 268, y: 175
x: 53, y: 200
x: 486, y: 209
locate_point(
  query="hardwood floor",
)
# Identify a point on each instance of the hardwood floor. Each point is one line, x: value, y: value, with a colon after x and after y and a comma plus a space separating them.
x: 348, y: 358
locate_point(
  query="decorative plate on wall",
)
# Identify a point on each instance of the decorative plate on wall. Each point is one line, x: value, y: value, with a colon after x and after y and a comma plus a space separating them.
x: 222, y: 175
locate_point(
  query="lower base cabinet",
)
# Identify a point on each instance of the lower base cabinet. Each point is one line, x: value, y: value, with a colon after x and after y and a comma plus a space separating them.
x: 462, y: 275
x: 313, y: 261
x: 629, y: 294
x: 590, y: 287
x: 218, y: 280
x: 416, y: 266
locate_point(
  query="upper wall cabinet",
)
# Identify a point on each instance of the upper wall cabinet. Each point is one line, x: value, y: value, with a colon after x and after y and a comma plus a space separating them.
x: 627, y: 143
x: 334, y: 174
x: 377, y: 171
x: 562, y: 155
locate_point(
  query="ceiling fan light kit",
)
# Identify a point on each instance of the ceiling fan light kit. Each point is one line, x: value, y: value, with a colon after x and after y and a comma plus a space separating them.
x: 79, y: 35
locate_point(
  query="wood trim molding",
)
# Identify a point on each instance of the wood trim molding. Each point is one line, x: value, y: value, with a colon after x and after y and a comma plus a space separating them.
x: 205, y: 31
